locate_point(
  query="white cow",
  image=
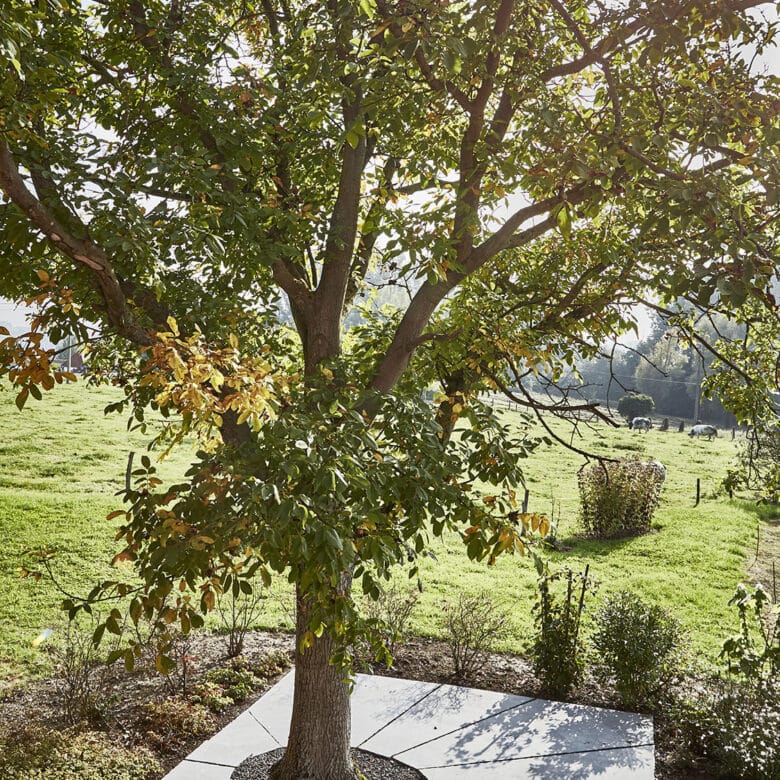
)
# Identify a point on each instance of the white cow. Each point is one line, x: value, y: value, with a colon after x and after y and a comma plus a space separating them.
x: 703, y: 430
x: 641, y: 424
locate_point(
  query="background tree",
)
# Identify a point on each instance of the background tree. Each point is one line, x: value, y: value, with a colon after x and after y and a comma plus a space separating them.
x: 528, y: 170
x: 635, y: 405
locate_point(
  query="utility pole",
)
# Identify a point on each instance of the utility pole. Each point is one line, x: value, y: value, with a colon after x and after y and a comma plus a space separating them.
x: 697, y: 396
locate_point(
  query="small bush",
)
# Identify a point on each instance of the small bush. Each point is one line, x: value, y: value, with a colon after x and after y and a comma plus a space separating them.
x: 272, y: 663
x: 170, y: 723
x: 735, y: 727
x: 391, y: 613
x: 229, y: 685
x: 81, y: 677
x: 179, y: 678
x: 472, y: 625
x: 753, y: 655
x: 212, y: 696
x: 639, y: 644
x: 558, y: 651
x: 238, y: 610
x: 635, y: 405
x: 619, y: 498
x: 38, y: 753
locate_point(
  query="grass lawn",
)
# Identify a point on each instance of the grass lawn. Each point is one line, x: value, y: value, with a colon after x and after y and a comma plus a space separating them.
x: 62, y: 461
x: 690, y: 563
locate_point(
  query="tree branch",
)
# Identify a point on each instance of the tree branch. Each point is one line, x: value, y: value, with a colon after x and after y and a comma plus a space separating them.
x: 82, y: 251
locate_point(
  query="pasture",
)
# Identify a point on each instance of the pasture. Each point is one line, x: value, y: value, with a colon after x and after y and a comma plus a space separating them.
x: 62, y: 462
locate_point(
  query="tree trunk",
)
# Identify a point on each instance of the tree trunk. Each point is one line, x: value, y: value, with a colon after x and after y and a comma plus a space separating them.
x: 318, y: 745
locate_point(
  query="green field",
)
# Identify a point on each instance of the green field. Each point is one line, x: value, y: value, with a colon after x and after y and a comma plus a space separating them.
x: 62, y: 462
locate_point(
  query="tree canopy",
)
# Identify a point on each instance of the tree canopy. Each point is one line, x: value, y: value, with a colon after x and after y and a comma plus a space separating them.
x: 523, y: 171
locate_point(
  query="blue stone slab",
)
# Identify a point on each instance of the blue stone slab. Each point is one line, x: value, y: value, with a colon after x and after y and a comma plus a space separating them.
x: 379, y: 701
x: 446, y: 709
x: 194, y: 770
x: 634, y: 763
x: 536, y: 728
x: 450, y: 733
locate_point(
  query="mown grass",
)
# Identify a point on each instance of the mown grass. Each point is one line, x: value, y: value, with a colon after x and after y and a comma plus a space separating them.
x: 690, y: 563
x: 62, y: 462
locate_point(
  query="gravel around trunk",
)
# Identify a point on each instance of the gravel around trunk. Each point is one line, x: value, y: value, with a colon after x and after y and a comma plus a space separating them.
x: 374, y: 767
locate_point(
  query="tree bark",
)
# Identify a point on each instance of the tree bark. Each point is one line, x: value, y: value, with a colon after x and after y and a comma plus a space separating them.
x: 320, y: 730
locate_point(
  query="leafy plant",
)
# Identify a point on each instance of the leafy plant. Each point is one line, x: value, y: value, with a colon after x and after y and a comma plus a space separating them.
x: 753, y: 654
x: 38, y: 753
x: 735, y: 727
x: 270, y: 664
x: 171, y: 722
x: 558, y: 650
x: 619, y: 498
x: 640, y: 645
x: 211, y: 695
x: 472, y: 625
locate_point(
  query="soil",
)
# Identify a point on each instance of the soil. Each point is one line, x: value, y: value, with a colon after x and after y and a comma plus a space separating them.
x: 417, y: 659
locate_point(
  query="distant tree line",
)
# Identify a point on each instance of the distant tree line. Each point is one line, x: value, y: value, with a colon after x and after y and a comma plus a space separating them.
x: 662, y: 365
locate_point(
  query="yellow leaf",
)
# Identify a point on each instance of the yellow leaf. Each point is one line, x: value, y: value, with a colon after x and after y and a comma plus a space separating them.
x: 173, y: 326
x: 42, y: 275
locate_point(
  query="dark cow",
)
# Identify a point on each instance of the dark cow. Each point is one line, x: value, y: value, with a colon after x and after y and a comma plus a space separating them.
x: 703, y: 430
x: 640, y: 424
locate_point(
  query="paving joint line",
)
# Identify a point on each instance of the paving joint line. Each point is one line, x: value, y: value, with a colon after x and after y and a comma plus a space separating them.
x: 263, y: 726
x: 464, y: 726
x: 207, y: 763
x: 538, y: 755
x: 401, y: 714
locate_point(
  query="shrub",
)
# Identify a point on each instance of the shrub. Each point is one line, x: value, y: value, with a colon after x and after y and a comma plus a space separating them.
x: 170, y: 723
x: 639, y: 644
x: 754, y: 653
x: 212, y: 696
x: 230, y: 685
x: 558, y: 651
x: 736, y: 728
x: 635, y: 405
x: 272, y: 663
x: 38, y: 753
x: 391, y: 613
x: 238, y: 610
x: 179, y: 677
x: 82, y: 677
x: 472, y: 625
x: 619, y: 498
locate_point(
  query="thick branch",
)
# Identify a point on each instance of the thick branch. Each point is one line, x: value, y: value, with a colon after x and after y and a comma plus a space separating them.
x: 83, y: 252
x: 615, y: 39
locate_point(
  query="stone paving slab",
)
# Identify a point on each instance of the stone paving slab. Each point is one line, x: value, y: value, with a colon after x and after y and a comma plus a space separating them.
x: 446, y: 709
x: 195, y: 770
x: 535, y: 728
x: 450, y: 733
x: 616, y: 764
x: 241, y: 738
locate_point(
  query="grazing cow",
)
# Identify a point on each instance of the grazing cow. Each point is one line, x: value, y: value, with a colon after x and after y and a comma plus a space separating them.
x: 640, y: 424
x: 703, y: 430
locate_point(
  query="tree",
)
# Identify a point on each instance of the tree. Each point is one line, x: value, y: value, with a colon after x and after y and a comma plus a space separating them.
x: 635, y: 405
x: 528, y: 170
